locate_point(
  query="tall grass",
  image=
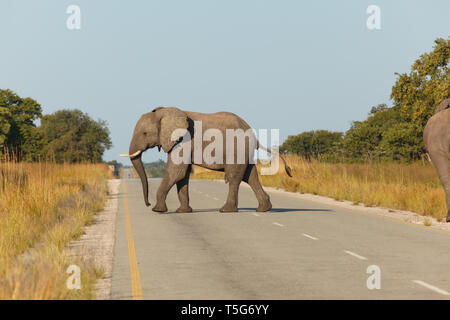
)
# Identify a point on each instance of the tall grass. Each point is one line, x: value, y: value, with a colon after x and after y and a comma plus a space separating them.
x: 412, y: 187
x: 43, y: 206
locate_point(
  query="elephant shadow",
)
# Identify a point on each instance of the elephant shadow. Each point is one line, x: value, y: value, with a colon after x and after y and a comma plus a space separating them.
x: 280, y: 210
x: 252, y: 210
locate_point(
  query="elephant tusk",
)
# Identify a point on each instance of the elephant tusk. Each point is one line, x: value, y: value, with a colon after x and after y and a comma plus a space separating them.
x: 132, y: 155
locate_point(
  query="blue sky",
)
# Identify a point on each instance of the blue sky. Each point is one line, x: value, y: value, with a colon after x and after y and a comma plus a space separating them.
x: 291, y: 65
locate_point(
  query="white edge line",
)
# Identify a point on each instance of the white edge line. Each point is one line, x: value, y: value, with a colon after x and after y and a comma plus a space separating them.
x: 310, y: 237
x: 355, y: 255
x: 429, y: 286
x: 278, y: 224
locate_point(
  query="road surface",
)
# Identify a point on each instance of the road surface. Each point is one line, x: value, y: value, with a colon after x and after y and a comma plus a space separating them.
x: 299, y: 250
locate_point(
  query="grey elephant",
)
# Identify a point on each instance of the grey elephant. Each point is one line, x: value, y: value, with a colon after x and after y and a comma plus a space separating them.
x: 158, y: 129
x: 436, y: 137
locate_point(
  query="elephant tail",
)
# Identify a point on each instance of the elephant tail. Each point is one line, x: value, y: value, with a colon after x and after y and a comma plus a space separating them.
x: 286, y: 167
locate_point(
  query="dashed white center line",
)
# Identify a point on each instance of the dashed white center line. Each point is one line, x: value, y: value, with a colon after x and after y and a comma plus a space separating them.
x: 429, y: 286
x: 215, y: 198
x: 278, y: 224
x: 256, y: 214
x: 355, y: 255
x: 310, y: 237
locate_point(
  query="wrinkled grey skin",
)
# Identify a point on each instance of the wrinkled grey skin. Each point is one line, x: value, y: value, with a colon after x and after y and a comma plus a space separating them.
x: 436, y: 137
x: 154, y: 129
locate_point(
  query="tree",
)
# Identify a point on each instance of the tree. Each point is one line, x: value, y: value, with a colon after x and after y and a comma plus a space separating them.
x: 17, y: 129
x: 72, y: 136
x: 115, y: 163
x: 155, y: 169
x: 402, y: 141
x: 312, y: 143
x: 298, y: 144
x: 362, y: 140
x: 117, y: 166
x: 393, y: 133
x: 419, y: 92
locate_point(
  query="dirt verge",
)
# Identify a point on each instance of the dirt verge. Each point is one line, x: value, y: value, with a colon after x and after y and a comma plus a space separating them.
x: 97, y: 243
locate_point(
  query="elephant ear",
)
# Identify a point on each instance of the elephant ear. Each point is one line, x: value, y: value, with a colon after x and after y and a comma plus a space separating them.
x: 171, y: 120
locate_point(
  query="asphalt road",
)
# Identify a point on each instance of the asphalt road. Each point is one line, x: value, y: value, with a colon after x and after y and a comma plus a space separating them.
x: 299, y: 250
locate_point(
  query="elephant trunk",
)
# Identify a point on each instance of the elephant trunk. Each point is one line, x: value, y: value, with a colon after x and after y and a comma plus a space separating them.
x: 138, y: 165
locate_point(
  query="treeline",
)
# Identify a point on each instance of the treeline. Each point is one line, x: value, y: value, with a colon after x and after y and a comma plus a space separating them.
x: 63, y: 136
x: 389, y: 133
x: 155, y: 169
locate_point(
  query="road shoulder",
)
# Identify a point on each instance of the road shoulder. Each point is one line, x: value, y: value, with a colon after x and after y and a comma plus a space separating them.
x: 97, y: 242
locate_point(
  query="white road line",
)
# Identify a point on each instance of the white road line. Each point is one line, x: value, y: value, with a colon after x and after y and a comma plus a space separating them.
x: 255, y: 214
x: 311, y: 237
x: 355, y: 255
x: 215, y: 198
x: 278, y: 224
x: 429, y: 286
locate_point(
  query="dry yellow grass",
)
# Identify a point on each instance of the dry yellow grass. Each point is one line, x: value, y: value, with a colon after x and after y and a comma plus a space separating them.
x: 202, y: 173
x: 412, y: 187
x: 43, y: 206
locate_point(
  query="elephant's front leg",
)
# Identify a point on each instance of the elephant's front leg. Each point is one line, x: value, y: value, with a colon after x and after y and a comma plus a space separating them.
x: 173, y: 174
x: 183, y: 193
x: 161, y: 194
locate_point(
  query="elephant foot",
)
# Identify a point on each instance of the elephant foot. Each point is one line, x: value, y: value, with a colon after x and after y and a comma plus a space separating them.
x: 184, y: 209
x: 228, y: 208
x: 448, y: 217
x: 159, y: 208
x: 264, y: 207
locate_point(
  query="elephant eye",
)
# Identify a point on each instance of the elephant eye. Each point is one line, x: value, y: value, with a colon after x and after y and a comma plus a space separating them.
x: 145, y: 133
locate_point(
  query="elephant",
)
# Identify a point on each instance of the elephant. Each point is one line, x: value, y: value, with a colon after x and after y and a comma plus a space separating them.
x: 436, y: 137
x: 157, y: 129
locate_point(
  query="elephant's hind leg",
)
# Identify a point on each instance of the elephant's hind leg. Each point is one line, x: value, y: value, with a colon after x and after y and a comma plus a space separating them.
x: 233, y: 175
x: 251, y: 177
x: 183, y: 193
x: 441, y: 161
